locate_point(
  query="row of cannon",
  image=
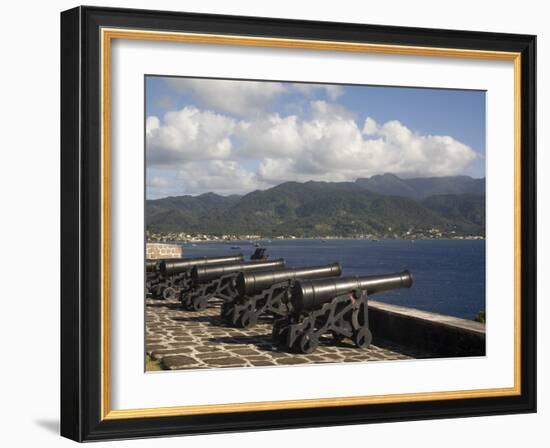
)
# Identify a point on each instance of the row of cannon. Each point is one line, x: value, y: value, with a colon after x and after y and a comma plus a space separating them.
x: 306, y: 303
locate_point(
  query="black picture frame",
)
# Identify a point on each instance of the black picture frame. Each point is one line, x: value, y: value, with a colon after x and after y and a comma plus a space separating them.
x: 81, y: 224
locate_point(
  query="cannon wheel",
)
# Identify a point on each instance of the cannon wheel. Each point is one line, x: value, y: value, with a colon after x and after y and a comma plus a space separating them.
x: 275, y: 332
x: 200, y: 303
x: 307, y: 343
x: 186, y: 303
x: 247, y: 319
x: 278, y: 336
x: 337, y: 337
x: 227, y: 312
x: 362, y: 337
x: 156, y: 292
x: 169, y: 293
x: 184, y: 298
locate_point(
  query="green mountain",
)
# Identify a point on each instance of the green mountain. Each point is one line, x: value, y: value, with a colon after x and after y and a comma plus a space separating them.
x: 422, y: 187
x: 313, y: 209
x: 468, y: 209
x: 177, y: 213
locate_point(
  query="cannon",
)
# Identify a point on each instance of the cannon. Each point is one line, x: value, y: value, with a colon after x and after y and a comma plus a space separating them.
x: 151, y: 265
x: 219, y: 282
x: 151, y: 273
x: 266, y: 293
x: 337, y: 307
x: 170, y: 276
x: 178, y: 271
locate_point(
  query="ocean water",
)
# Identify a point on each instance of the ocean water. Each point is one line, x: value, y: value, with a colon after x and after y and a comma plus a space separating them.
x: 449, y: 275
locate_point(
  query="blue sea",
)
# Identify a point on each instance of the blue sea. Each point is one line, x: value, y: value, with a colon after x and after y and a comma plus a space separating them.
x: 449, y: 275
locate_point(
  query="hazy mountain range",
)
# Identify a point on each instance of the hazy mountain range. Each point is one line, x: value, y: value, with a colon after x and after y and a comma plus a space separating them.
x: 382, y: 205
x: 422, y: 187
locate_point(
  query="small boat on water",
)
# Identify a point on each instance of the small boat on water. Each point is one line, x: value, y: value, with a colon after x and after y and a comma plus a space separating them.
x: 235, y: 247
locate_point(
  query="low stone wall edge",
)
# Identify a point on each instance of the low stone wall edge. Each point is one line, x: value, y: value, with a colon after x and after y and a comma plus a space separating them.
x: 433, y: 333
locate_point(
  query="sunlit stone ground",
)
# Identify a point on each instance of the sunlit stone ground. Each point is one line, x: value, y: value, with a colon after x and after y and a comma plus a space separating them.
x: 181, y: 339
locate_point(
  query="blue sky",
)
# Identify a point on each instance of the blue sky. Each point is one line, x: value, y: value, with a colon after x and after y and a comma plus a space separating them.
x: 236, y: 136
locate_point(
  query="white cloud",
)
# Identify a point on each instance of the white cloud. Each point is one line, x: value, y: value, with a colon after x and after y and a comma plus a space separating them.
x: 332, y: 92
x: 249, y: 98
x: 219, y: 176
x: 370, y: 127
x: 325, y: 143
x: 151, y: 125
x: 321, y: 110
x: 188, y: 134
x: 330, y: 146
x: 159, y: 182
x: 271, y: 135
x: 235, y: 97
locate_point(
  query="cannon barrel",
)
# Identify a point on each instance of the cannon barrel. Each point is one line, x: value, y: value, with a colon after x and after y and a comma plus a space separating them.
x: 312, y: 294
x: 177, y: 265
x: 151, y: 265
x: 249, y: 283
x: 203, y: 274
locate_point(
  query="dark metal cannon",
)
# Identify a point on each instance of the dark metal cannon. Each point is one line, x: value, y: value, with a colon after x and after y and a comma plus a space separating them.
x: 337, y: 307
x: 151, y: 274
x: 219, y: 282
x: 173, y: 274
x: 151, y: 265
x: 266, y: 293
x: 178, y: 265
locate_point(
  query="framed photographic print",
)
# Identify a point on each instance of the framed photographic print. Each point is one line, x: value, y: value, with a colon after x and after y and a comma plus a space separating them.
x: 273, y: 223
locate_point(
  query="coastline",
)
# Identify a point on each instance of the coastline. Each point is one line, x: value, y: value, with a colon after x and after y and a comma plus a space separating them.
x: 322, y: 239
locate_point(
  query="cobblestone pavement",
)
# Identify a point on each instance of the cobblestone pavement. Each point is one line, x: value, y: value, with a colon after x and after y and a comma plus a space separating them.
x: 182, y: 339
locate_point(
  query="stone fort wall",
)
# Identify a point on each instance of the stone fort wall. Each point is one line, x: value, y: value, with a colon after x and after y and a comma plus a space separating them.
x: 163, y: 250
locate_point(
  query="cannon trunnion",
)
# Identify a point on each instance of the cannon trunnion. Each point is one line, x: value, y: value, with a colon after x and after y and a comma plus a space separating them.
x: 337, y: 307
x: 210, y: 282
x: 266, y: 293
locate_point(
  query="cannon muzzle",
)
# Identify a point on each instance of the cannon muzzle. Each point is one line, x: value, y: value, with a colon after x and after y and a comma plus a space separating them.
x: 151, y: 265
x: 177, y: 265
x: 249, y: 283
x: 312, y: 294
x: 204, y: 274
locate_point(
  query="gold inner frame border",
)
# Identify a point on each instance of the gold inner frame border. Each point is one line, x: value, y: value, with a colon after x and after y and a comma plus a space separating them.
x: 107, y: 35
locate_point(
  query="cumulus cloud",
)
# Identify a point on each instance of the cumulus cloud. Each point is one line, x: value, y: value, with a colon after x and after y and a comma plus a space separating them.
x: 333, y: 92
x: 187, y: 135
x: 210, y: 150
x: 159, y: 182
x: 271, y: 135
x: 235, y: 97
x: 331, y: 146
x: 246, y: 98
x: 220, y: 176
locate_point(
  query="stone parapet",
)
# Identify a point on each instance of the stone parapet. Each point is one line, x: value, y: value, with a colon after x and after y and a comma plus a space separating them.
x: 437, y: 334
x: 163, y: 250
